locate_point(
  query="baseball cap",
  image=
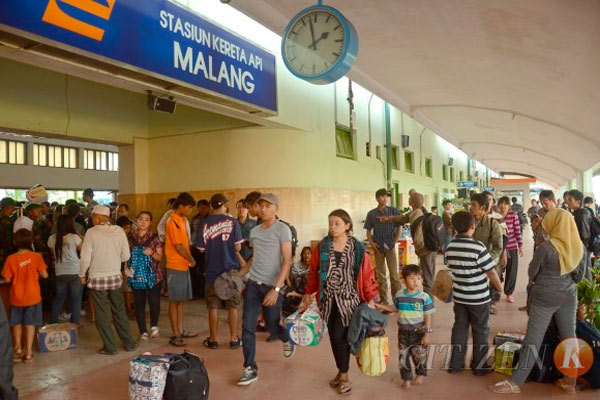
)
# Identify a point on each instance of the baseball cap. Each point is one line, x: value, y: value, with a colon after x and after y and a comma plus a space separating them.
x: 270, y: 197
x: 217, y: 200
x: 23, y: 223
x: 382, y: 192
x: 101, y: 210
x: 31, y: 206
x: 7, y: 201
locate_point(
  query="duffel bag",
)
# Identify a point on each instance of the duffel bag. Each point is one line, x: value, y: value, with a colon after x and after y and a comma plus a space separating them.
x: 147, y: 377
x: 187, y: 378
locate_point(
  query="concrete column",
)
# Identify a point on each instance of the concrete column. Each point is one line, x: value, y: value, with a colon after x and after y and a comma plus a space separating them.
x: 134, y: 173
x: 588, y: 186
x: 28, y: 153
x: 579, y: 181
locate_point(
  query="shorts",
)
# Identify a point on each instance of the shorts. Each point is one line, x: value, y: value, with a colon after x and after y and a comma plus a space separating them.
x: 28, y: 315
x: 213, y: 301
x: 179, y: 285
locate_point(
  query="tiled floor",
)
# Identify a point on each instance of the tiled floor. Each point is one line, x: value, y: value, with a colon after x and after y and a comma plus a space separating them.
x: 82, y: 374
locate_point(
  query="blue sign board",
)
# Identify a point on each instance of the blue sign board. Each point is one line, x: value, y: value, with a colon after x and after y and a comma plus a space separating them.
x: 467, y: 184
x: 155, y: 36
x: 488, y: 189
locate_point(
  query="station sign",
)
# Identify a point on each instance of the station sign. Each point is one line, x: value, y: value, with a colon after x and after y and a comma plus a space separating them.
x: 156, y: 37
x: 467, y: 184
x: 488, y: 189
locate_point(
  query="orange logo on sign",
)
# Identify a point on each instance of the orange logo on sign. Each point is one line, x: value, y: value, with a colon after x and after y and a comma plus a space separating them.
x: 573, y: 357
x: 55, y: 16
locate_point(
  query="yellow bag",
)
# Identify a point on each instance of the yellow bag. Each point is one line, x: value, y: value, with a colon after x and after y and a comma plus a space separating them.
x: 373, y: 356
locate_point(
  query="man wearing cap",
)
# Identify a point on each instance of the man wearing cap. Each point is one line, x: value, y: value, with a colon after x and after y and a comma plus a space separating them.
x: 6, y: 228
x: 268, y: 270
x: 220, y: 236
x: 103, y: 250
x: 33, y: 211
x: 383, y: 237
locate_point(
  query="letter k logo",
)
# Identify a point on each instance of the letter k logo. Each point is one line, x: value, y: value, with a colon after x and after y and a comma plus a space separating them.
x: 56, y: 16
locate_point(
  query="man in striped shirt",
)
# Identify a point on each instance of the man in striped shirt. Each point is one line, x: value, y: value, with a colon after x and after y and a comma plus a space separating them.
x: 471, y: 266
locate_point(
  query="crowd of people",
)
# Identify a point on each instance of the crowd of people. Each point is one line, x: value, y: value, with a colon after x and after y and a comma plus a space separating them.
x: 75, y: 251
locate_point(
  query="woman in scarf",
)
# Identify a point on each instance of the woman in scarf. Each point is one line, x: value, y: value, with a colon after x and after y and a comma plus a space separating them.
x: 553, y: 295
x: 341, y: 277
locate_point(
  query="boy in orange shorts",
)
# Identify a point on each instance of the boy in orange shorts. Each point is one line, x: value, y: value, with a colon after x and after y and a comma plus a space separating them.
x: 23, y: 269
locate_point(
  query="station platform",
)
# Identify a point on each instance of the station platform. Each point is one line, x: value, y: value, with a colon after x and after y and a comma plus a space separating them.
x: 83, y: 374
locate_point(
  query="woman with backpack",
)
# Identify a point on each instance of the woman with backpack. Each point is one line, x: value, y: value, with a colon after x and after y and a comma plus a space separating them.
x: 341, y: 277
x: 146, y: 275
x: 65, y: 245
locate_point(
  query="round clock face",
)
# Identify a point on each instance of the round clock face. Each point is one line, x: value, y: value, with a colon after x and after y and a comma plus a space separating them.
x: 314, y: 42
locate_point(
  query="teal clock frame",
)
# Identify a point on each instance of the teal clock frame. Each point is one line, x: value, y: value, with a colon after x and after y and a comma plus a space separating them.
x: 347, y: 57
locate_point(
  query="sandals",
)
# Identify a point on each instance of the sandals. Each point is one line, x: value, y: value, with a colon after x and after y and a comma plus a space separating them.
x: 177, y: 341
x: 28, y: 358
x: 345, y: 387
x: 236, y: 345
x: 505, y: 387
x: 210, y: 344
x: 188, y: 334
x: 105, y: 352
x: 17, y: 356
x: 493, y: 309
x: 568, y: 389
x: 335, y: 382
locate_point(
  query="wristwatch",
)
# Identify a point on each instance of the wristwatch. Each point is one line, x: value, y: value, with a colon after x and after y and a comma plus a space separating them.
x: 428, y: 330
x: 277, y: 289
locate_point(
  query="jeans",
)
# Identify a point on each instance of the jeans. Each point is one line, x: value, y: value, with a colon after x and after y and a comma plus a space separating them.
x: 7, y: 390
x: 152, y: 296
x: 338, y: 337
x: 446, y: 243
x: 391, y: 258
x: 477, y: 317
x: 67, y: 284
x: 512, y: 268
x: 427, y: 264
x: 410, y: 346
x: 255, y: 294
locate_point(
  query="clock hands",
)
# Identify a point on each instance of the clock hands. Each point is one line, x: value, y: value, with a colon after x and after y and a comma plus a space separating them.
x: 312, y: 32
x: 314, y: 43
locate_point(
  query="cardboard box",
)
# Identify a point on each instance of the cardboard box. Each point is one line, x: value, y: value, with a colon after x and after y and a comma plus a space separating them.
x: 57, y: 337
x: 509, y: 336
x: 306, y: 328
x: 506, y: 357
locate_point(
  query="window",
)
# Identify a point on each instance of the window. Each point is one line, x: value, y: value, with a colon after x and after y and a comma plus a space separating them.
x: 100, y: 160
x: 344, y: 142
x: 428, y: 171
x: 12, y: 152
x: 462, y: 176
x: 452, y: 177
x: 395, y: 194
x: 395, y: 163
x: 445, y: 172
x: 54, y: 156
x: 378, y: 152
x: 408, y: 161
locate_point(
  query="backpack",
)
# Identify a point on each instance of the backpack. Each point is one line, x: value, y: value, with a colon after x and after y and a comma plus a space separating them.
x: 144, y: 276
x: 187, y: 378
x: 434, y: 231
x: 294, y: 237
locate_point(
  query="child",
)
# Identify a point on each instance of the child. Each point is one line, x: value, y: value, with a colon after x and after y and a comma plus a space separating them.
x: 23, y: 269
x: 414, y: 309
x: 471, y: 267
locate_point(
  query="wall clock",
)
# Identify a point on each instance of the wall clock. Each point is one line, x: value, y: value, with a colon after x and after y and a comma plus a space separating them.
x: 319, y: 45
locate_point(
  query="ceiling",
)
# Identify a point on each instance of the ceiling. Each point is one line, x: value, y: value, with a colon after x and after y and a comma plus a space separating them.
x: 515, y: 84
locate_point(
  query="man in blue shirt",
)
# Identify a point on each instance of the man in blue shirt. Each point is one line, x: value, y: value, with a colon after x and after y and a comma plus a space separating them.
x: 220, y: 237
x: 383, y: 237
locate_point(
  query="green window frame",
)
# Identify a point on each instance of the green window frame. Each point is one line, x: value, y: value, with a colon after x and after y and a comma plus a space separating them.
x: 445, y: 172
x: 452, y: 177
x: 408, y: 161
x: 344, y: 142
x: 395, y: 163
x: 462, y: 176
x: 428, y: 168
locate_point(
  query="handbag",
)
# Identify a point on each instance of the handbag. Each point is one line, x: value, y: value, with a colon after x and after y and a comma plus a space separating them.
x: 374, y: 354
x: 306, y: 327
x: 442, y: 286
x: 147, y: 377
x: 187, y: 378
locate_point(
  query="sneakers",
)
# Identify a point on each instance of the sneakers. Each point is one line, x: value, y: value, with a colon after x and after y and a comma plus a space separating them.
x: 143, y: 338
x: 154, y: 332
x: 64, y: 316
x: 82, y: 313
x: 248, y: 376
x: 288, y: 349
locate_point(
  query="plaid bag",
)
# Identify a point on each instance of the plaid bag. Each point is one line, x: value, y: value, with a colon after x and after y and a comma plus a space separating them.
x: 147, y: 377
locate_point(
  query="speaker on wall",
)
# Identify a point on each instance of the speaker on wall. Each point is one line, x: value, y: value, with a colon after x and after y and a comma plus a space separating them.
x: 163, y: 104
x: 405, y: 141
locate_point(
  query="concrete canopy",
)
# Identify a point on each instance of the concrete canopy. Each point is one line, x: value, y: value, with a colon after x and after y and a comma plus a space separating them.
x: 515, y: 84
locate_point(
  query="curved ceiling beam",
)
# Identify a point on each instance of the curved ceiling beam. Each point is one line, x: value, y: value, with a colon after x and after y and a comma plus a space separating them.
x: 514, y: 114
x: 541, y: 177
x: 483, y: 160
x: 575, y: 169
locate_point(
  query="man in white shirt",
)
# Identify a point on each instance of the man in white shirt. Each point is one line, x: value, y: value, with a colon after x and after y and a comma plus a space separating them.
x: 103, y: 250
